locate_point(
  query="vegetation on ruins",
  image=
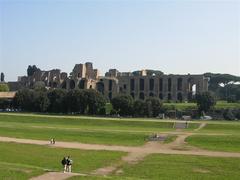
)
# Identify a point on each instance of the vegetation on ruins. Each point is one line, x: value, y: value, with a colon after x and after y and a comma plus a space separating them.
x: 2, y: 77
x: 32, y: 69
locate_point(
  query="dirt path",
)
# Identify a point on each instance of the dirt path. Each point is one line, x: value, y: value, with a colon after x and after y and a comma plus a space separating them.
x: 56, y: 176
x: 202, y: 125
x: 148, y: 148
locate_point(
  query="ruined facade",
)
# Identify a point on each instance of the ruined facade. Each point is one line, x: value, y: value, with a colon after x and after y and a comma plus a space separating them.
x: 138, y: 84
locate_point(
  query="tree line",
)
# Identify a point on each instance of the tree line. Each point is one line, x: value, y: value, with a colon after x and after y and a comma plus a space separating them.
x: 224, y: 86
x: 60, y: 101
x: 89, y: 101
x: 125, y: 105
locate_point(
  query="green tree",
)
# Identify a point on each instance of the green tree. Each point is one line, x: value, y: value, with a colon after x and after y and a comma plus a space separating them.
x: 72, y: 100
x: 139, y: 108
x: 123, y: 104
x: 32, y: 69
x: 205, y: 101
x: 152, y: 106
x: 24, y: 99
x: 4, y: 87
x: 95, y: 101
x: 40, y: 101
x: 4, y: 103
x: 57, y: 100
x: 223, y: 85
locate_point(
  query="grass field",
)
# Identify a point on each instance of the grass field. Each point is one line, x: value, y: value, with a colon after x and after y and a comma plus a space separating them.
x: 228, y: 141
x: 180, y: 167
x: 28, y: 160
x: 222, y: 127
x: 21, y: 161
x: 12, y: 171
x: 184, y: 167
x: 216, y: 143
x: 115, y: 132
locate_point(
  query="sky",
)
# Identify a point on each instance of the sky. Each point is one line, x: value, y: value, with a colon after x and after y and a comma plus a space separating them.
x: 176, y: 37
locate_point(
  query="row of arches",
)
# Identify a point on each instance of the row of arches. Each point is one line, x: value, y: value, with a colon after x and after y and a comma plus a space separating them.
x: 72, y: 84
x: 190, y: 82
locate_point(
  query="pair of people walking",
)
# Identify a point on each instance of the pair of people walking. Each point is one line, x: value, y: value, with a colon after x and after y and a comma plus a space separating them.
x: 52, y: 141
x: 67, y: 164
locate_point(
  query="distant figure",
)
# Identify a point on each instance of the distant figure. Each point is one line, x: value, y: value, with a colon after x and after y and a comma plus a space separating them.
x: 52, y: 141
x: 69, y: 164
x: 64, y: 163
x: 186, y: 124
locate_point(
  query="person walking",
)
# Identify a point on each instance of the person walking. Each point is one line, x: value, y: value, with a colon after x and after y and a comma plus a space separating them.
x: 64, y: 163
x: 69, y: 164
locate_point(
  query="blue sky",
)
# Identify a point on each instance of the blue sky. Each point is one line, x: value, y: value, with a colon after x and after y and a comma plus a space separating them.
x: 176, y: 37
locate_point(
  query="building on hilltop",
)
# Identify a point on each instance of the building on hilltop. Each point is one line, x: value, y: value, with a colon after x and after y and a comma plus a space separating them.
x: 138, y: 84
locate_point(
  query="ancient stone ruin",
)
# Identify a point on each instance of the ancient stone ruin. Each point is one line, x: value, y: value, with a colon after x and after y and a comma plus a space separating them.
x: 138, y: 84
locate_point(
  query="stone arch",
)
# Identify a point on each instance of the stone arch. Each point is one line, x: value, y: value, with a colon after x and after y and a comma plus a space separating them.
x: 81, y: 84
x: 132, y: 94
x: 169, y: 96
x: 54, y: 84
x: 64, y: 85
x: 72, y: 84
x: 169, y: 84
x: 100, y: 87
x: 141, y: 96
x: 179, y: 97
x: 161, y: 96
x: 151, y: 84
x: 110, y: 95
x: 151, y: 94
x: 179, y: 84
x: 192, y: 89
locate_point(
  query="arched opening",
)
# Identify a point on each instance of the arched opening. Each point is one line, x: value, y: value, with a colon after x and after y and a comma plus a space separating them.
x: 161, y: 96
x: 110, y: 85
x: 169, y: 96
x: 132, y: 84
x: 179, y: 84
x: 151, y: 94
x: 81, y: 84
x: 141, y: 96
x: 100, y: 87
x: 54, y: 84
x: 141, y: 84
x: 151, y: 84
x: 179, y: 97
x: 132, y: 94
x: 169, y: 84
x: 192, y: 89
x: 72, y: 84
x: 110, y: 95
x: 64, y: 85
x: 160, y: 84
